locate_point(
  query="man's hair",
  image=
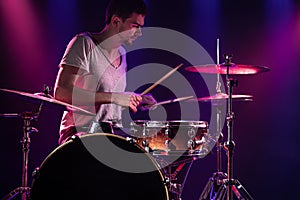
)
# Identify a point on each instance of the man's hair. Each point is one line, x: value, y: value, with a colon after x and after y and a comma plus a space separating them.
x: 125, y: 8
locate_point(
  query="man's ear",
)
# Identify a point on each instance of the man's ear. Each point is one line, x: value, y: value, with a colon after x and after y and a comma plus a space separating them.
x: 115, y: 20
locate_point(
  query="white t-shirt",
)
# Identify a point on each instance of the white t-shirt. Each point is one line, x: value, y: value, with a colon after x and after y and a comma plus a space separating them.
x: 96, y: 74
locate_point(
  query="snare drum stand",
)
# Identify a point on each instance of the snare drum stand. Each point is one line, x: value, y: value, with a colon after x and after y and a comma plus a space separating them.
x: 27, y: 117
x: 175, y: 188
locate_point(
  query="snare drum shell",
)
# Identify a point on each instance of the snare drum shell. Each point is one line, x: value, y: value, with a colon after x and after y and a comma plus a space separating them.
x: 169, y: 135
x: 71, y: 172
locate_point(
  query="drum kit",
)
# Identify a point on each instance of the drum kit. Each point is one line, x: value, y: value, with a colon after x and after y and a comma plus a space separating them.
x: 167, y: 145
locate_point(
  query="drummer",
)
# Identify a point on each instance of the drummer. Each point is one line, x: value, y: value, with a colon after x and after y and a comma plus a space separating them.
x: 92, y: 73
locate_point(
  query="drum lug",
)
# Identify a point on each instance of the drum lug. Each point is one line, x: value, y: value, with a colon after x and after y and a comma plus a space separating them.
x: 145, y: 144
x: 74, y: 138
x: 175, y: 188
x: 144, y: 131
x: 191, y: 144
x: 130, y: 140
x: 169, y: 145
x: 167, y: 181
x: 167, y: 131
x: 36, y: 173
x: 133, y: 131
x: 199, y: 142
x: 191, y: 133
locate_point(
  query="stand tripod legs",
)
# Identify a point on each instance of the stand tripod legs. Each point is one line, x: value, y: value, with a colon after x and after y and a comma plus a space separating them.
x: 216, y: 188
x: 27, y: 130
x: 24, y: 191
x: 213, y: 186
x: 237, y: 188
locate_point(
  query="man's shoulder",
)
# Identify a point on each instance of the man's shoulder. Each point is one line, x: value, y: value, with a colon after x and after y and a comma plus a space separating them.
x: 83, y: 38
x: 82, y: 35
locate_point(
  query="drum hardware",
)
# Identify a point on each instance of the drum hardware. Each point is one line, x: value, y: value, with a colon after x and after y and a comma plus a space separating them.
x: 215, y: 182
x: 171, y: 172
x: 27, y: 117
x: 231, y: 184
x: 174, y: 189
x: 221, y: 183
x: 176, y: 138
x: 46, y: 97
x: 145, y: 144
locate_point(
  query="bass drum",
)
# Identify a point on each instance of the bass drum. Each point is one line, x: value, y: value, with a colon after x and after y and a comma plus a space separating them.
x: 74, y: 171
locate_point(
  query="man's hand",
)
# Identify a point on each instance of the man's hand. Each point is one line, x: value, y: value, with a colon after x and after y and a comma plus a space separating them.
x: 148, y: 103
x: 127, y: 99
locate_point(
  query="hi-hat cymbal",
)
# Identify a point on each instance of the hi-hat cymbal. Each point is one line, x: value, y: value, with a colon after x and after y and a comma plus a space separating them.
x: 223, y: 96
x: 233, y: 69
x: 48, y: 98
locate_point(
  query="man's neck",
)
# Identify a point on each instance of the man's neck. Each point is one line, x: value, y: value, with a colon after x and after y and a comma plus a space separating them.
x: 108, y: 40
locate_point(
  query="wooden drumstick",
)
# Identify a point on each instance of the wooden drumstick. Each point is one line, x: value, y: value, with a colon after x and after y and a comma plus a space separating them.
x: 161, y: 79
x: 173, y: 100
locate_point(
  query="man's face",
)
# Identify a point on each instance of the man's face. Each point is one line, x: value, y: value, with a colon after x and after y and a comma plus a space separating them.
x: 130, y: 29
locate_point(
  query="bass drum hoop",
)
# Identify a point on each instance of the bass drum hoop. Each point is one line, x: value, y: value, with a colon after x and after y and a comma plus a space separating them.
x: 71, y: 172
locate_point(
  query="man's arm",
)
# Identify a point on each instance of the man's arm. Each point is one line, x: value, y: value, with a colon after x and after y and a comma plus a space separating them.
x: 65, y: 91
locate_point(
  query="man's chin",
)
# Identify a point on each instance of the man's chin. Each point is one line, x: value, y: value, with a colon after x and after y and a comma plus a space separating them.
x: 129, y: 42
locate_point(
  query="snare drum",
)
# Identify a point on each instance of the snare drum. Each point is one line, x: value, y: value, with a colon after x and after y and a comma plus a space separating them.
x: 150, y: 134
x: 170, y: 137
x: 72, y: 172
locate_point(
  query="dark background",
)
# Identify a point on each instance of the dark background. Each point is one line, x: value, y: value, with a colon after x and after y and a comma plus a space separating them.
x: 34, y: 35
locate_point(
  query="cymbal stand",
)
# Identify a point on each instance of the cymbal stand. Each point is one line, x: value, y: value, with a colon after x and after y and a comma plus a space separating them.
x: 231, y: 185
x: 27, y: 117
x: 221, y: 183
x: 214, y: 182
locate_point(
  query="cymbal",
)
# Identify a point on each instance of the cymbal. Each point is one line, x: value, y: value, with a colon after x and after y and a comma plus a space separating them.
x: 48, y: 98
x: 223, y: 96
x: 233, y: 69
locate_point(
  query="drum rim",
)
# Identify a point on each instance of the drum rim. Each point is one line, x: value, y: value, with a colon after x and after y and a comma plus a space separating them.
x: 168, y: 123
x: 192, y: 123
x: 146, y: 123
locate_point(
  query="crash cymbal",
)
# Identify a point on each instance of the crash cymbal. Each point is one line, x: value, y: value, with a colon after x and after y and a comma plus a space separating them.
x: 48, y: 98
x: 223, y: 96
x: 233, y: 69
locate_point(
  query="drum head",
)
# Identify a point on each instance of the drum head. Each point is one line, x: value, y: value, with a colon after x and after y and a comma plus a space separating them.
x: 72, y: 172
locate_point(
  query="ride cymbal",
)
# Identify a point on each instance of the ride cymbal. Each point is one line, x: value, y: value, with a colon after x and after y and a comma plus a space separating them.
x: 48, y: 98
x: 233, y: 69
